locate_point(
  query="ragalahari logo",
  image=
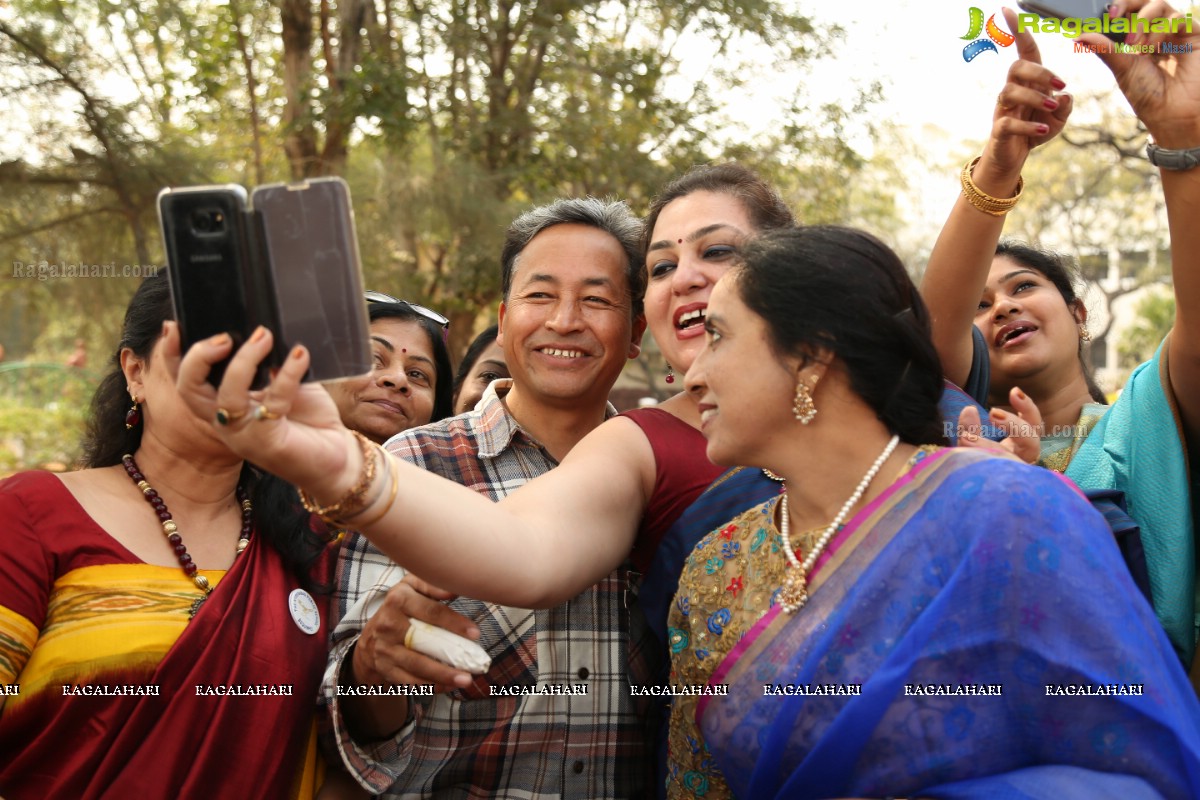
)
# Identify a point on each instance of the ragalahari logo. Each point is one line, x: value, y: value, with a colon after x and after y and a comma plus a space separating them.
x: 995, y: 36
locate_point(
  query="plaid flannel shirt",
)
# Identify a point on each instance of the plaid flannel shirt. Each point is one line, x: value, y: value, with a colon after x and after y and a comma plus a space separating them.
x: 468, y: 743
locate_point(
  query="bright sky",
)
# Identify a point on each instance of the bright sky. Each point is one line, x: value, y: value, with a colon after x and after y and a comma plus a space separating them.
x: 918, y: 53
x: 916, y: 49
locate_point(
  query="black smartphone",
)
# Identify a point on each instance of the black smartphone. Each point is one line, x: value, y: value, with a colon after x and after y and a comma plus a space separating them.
x: 1081, y: 12
x: 216, y: 286
x: 307, y: 233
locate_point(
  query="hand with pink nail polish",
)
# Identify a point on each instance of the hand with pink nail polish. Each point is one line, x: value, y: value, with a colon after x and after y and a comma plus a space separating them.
x: 1029, y: 110
x: 1163, y: 86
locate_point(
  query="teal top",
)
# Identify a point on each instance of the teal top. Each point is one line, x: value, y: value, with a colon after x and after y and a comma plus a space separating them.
x: 1138, y: 448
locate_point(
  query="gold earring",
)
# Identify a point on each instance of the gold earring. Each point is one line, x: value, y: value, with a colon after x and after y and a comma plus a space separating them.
x: 803, y: 406
x: 1084, y: 334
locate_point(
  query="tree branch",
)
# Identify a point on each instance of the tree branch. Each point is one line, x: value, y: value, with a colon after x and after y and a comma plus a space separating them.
x: 69, y: 218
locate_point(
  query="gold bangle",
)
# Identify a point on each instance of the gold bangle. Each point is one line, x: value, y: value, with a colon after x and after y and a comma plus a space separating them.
x: 375, y: 495
x: 395, y: 488
x: 996, y: 206
x: 354, y: 501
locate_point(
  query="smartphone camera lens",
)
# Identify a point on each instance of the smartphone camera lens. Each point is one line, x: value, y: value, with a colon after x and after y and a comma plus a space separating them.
x: 208, y: 220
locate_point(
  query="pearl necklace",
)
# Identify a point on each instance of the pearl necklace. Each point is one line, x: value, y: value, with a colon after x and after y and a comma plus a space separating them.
x: 794, y: 593
x: 171, y: 530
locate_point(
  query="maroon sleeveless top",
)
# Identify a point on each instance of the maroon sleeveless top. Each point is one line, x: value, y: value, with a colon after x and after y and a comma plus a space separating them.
x: 682, y: 472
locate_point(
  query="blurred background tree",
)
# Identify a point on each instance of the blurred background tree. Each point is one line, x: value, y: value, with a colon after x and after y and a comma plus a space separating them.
x: 447, y: 117
x: 1155, y: 318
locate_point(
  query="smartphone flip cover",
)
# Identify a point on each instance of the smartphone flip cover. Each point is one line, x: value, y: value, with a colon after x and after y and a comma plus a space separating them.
x: 307, y: 232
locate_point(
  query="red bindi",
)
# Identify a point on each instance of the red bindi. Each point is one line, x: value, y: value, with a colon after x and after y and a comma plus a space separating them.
x: 681, y: 241
x: 403, y: 349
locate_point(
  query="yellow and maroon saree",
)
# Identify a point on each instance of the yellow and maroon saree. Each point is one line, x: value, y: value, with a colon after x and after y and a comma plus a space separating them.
x: 117, y: 694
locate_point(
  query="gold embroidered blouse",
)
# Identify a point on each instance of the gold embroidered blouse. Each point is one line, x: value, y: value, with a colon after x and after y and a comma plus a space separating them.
x: 729, y: 582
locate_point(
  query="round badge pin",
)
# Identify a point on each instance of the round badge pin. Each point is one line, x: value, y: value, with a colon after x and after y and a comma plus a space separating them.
x: 304, y: 611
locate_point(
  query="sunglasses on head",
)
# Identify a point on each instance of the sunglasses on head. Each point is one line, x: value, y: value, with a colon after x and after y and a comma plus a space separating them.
x: 427, y: 313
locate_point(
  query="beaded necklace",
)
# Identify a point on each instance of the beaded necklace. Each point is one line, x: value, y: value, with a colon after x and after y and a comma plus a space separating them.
x: 795, y: 587
x: 171, y: 530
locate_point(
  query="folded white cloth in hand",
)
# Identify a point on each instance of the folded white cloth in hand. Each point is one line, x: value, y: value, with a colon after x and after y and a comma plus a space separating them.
x: 447, y: 647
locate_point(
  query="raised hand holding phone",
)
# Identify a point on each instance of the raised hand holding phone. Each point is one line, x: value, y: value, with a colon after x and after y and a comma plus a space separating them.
x: 301, y: 439
x: 1162, y: 84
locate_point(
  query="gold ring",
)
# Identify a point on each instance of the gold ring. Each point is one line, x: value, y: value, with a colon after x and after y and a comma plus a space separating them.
x: 225, y: 417
x: 262, y: 412
x: 1001, y: 104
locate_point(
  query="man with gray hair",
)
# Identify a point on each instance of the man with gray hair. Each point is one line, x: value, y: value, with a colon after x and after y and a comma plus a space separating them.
x: 553, y: 716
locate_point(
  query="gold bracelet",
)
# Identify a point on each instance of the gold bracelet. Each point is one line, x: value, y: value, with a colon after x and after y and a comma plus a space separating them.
x: 996, y: 206
x: 394, y: 474
x: 375, y: 495
x: 354, y: 501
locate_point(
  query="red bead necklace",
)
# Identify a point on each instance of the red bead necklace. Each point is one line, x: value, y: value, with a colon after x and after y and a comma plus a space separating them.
x: 172, y: 531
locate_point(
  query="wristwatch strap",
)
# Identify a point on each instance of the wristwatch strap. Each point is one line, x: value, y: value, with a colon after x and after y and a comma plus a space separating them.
x: 1173, y: 159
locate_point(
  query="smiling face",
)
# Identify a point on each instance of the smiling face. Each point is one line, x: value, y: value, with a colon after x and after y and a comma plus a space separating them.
x: 566, y: 326
x: 488, y: 367
x: 398, y: 393
x: 693, y: 244
x: 1028, y: 326
x: 744, y: 390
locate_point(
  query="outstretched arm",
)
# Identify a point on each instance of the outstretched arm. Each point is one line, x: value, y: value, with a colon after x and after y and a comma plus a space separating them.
x: 1164, y: 90
x: 540, y: 546
x: 1027, y: 114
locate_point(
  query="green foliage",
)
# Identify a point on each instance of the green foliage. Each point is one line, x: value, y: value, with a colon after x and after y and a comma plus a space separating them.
x: 33, y: 438
x: 43, y: 408
x: 430, y: 236
x: 100, y: 144
x: 1155, y: 318
x: 509, y: 105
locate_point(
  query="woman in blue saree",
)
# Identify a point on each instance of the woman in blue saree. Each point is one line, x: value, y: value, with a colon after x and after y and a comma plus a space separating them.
x: 946, y: 640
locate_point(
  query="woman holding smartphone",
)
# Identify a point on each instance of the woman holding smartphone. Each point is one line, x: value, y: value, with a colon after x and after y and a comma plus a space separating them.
x: 845, y: 410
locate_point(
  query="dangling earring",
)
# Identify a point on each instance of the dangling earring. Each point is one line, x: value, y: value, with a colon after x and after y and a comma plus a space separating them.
x: 670, y: 373
x: 134, y: 415
x: 1084, y: 334
x: 803, y: 406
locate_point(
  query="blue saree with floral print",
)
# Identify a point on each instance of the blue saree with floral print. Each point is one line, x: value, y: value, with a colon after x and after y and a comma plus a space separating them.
x: 973, y: 632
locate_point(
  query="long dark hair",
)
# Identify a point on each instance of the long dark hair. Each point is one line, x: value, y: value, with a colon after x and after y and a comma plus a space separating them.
x: 443, y: 391
x: 765, y: 207
x: 826, y: 286
x: 279, y: 518
x: 1059, y: 270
